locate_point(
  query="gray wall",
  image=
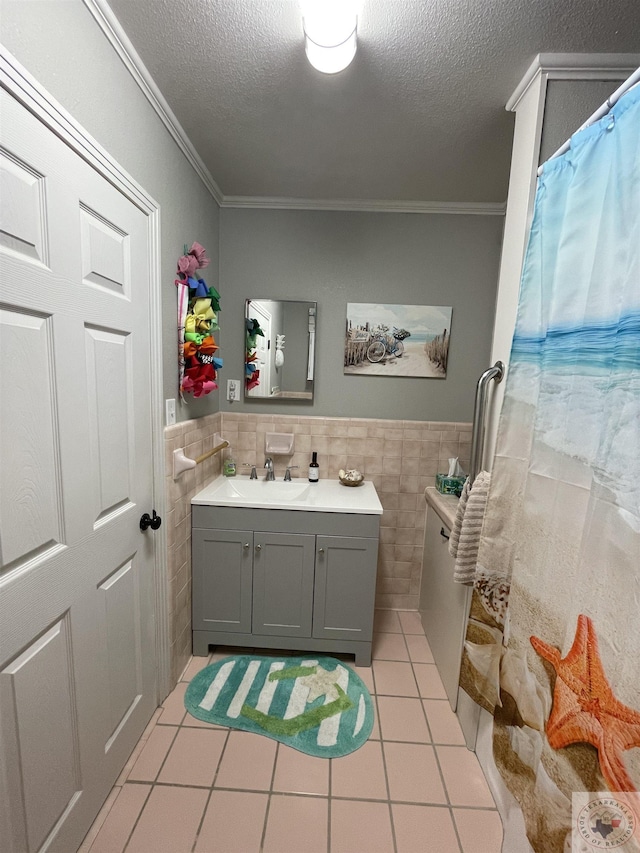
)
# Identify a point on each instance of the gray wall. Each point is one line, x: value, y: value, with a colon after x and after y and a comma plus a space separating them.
x: 568, y: 104
x: 329, y: 257
x: 335, y: 258
x: 60, y: 44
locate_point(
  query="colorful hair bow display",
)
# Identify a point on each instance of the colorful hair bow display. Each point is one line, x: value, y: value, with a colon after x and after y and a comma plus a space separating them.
x: 200, y: 379
x: 252, y: 374
x: 197, y: 318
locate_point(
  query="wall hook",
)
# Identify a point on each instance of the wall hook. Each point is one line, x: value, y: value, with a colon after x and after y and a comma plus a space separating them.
x: 182, y: 463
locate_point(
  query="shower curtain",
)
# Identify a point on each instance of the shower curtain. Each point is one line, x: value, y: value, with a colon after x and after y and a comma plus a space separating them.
x: 553, y: 642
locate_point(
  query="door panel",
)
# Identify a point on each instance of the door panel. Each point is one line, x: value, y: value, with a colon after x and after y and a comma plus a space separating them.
x: 345, y: 588
x: 221, y: 561
x: 77, y: 636
x: 23, y: 230
x: 106, y: 262
x: 283, y: 584
x: 120, y: 603
x: 37, y: 686
x: 30, y: 511
x: 109, y: 387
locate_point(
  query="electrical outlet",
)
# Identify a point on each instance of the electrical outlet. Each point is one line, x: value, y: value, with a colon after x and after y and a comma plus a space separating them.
x: 170, y: 412
x: 233, y: 389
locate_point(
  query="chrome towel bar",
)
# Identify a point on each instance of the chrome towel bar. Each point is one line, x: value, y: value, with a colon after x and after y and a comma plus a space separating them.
x: 479, y: 417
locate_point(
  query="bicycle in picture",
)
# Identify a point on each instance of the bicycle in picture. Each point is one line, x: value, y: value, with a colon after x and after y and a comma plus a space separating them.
x: 384, y: 344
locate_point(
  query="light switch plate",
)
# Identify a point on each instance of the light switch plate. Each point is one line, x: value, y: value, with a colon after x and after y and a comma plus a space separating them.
x: 170, y: 412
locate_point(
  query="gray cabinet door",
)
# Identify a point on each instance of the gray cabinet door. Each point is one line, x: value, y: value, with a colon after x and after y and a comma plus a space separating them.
x: 444, y: 605
x: 283, y: 584
x: 221, y: 563
x: 345, y: 588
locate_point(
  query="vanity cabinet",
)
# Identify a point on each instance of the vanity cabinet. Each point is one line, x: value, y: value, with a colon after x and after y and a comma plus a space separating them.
x: 284, y: 579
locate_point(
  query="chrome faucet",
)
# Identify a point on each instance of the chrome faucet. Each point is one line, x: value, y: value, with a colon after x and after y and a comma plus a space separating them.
x: 253, y: 475
x: 268, y: 464
x: 287, y: 473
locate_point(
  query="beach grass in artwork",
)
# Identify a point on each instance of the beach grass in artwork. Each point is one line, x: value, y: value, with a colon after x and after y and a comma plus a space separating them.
x: 397, y: 340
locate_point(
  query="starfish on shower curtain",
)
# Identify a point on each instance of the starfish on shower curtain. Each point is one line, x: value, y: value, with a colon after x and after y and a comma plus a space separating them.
x: 585, y: 709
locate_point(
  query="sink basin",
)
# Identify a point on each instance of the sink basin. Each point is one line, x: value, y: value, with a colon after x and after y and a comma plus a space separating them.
x: 323, y: 496
x: 259, y: 490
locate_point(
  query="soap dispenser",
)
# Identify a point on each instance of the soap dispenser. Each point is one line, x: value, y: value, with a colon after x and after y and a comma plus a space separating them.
x: 229, y: 466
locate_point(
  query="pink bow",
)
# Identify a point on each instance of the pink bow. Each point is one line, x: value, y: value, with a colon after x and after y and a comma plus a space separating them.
x: 195, y: 259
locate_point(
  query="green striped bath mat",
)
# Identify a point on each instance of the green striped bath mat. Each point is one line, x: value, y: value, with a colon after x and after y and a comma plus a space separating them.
x: 315, y: 704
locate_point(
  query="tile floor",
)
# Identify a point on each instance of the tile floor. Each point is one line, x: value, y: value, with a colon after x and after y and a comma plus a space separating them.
x: 190, y: 787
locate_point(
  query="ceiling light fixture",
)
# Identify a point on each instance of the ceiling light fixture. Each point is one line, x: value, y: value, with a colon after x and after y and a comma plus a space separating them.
x: 330, y: 33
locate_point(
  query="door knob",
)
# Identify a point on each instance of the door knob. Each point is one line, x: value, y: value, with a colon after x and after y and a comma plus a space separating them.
x: 320, y: 550
x: 258, y: 547
x: 153, y: 522
x: 246, y: 546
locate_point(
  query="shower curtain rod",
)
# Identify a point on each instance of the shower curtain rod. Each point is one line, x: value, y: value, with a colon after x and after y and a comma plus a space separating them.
x: 599, y: 113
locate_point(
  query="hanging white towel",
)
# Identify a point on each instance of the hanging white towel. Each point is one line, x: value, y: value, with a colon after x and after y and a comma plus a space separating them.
x: 312, y: 347
x: 454, y: 538
x: 467, y: 527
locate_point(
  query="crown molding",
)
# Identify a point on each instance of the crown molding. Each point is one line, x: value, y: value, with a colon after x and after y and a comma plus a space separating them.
x: 365, y: 205
x: 120, y: 42
x: 23, y: 86
x: 558, y: 66
x: 574, y: 66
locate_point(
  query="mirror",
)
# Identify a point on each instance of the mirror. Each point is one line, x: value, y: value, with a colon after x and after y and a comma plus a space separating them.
x: 280, y: 340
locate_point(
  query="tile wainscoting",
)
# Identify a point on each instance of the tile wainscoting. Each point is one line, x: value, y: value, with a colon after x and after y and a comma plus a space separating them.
x: 196, y: 437
x: 400, y: 458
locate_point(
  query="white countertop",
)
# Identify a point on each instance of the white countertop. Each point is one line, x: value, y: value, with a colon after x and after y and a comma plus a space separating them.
x: 299, y: 494
x: 444, y: 505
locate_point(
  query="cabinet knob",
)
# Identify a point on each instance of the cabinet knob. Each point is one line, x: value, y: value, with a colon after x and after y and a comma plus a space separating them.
x: 258, y: 547
x: 246, y: 546
x: 320, y: 550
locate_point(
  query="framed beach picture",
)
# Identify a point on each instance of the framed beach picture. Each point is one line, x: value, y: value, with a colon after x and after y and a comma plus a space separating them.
x: 397, y: 340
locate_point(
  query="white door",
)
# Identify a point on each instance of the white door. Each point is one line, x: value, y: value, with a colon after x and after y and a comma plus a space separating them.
x: 263, y: 350
x: 77, y: 645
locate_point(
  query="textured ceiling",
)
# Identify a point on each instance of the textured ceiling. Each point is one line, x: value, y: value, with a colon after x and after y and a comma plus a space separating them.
x: 418, y: 116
